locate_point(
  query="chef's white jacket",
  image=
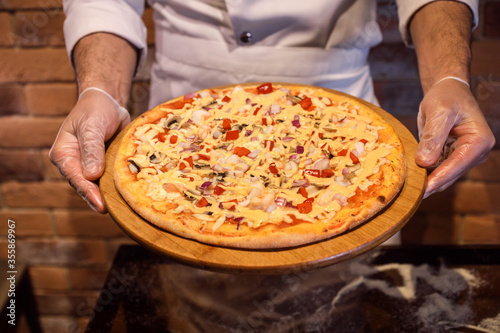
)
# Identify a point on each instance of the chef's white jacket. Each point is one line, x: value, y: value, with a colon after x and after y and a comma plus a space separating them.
x: 205, y: 43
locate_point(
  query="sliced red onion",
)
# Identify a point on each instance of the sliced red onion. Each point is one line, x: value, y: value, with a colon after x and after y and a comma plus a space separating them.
x: 345, y: 171
x: 275, y: 109
x: 294, y: 157
x: 321, y: 164
x: 254, y: 154
x: 254, y: 138
x: 254, y: 104
x: 216, y: 134
x: 193, y: 137
x: 300, y: 149
x: 300, y: 183
x: 248, y: 132
x: 190, y: 95
x: 290, y: 205
x: 189, y: 121
x: 296, y: 123
x: 184, y: 144
x: 205, y: 185
x: 220, y: 205
x: 280, y: 202
x: 248, y: 101
x: 288, y: 138
x: 307, y: 162
x: 239, y: 219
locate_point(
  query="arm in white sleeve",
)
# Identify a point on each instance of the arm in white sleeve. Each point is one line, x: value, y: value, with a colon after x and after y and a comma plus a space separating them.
x: 408, y: 8
x: 122, y: 18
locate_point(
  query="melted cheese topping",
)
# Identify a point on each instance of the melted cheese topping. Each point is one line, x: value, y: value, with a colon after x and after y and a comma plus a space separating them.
x: 258, y: 159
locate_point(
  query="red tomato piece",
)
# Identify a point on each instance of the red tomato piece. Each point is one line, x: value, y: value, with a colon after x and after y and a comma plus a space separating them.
x: 364, y: 141
x: 241, y: 151
x: 232, y: 135
x: 202, y: 203
x: 204, y: 157
x: 303, y: 192
x: 354, y: 158
x: 265, y: 88
x: 189, y: 160
x: 327, y: 173
x: 218, y: 190
x: 311, y: 200
x: 320, y: 135
x: 306, y: 104
x: 312, y: 172
x: 256, y: 111
x: 343, y: 152
x: 273, y: 168
x: 226, y: 124
x: 182, y: 166
x: 173, y: 139
x: 226, y: 99
x: 269, y: 144
x: 305, y: 207
x: 264, y: 121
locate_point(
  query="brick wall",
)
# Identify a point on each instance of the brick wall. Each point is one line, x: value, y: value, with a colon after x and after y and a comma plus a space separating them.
x: 69, y: 248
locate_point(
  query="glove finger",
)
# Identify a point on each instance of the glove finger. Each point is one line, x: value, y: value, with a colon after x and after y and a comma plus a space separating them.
x: 462, y: 159
x: 66, y: 156
x: 433, y: 137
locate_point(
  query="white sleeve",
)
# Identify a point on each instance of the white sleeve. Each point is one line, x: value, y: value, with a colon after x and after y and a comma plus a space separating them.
x: 119, y: 17
x: 407, y: 8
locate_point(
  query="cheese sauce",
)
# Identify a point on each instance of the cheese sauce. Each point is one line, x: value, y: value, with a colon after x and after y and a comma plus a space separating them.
x: 258, y: 158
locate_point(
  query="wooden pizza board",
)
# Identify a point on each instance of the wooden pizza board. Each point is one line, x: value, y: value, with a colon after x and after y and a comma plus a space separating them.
x: 336, y: 249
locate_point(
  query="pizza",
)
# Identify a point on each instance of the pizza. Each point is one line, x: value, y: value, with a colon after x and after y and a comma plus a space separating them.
x: 259, y: 166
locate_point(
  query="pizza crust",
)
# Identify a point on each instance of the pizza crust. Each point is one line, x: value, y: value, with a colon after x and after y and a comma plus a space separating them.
x: 361, y: 207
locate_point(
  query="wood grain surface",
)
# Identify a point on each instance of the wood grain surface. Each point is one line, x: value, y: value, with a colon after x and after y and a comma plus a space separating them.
x: 339, y: 248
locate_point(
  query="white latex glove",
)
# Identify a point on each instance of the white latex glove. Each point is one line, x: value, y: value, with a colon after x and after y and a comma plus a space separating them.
x: 454, y: 136
x: 78, y: 150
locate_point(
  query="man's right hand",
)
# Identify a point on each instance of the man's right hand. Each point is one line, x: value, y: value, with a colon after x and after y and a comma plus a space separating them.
x: 78, y: 151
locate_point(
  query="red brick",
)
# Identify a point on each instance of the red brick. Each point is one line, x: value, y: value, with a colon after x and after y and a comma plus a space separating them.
x: 440, y: 202
x: 52, y: 99
x: 482, y: 229
x: 24, y: 164
x: 25, y: 132
x: 87, y: 278
x: 35, y: 65
x: 485, y: 58
x: 432, y: 229
x: 65, y: 303
x: 41, y: 195
x: 33, y: 222
x: 147, y: 18
x: 7, y: 36
x: 46, y: 277
x: 491, y: 28
x: 13, y: 99
x: 487, y: 93
x: 85, y: 223
x: 477, y: 197
x: 60, y: 324
x: 39, y: 28
x: 489, y: 170
x: 51, y: 171
x: 68, y: 252
x: 28, y: 4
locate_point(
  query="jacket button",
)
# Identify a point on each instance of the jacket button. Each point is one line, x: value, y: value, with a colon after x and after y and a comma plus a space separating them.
x: 246, y: 37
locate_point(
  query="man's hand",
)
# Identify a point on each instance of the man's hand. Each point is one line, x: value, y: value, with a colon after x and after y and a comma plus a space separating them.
x: 106, y: 62
x: 78, y: 151
x: 454, y: 135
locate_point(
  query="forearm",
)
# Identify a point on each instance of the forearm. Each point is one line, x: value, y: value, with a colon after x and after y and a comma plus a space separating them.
x: 441, y: 33
x: 107, y: 62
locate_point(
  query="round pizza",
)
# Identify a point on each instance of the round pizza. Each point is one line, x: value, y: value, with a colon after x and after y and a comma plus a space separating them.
x: 259, y: 166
